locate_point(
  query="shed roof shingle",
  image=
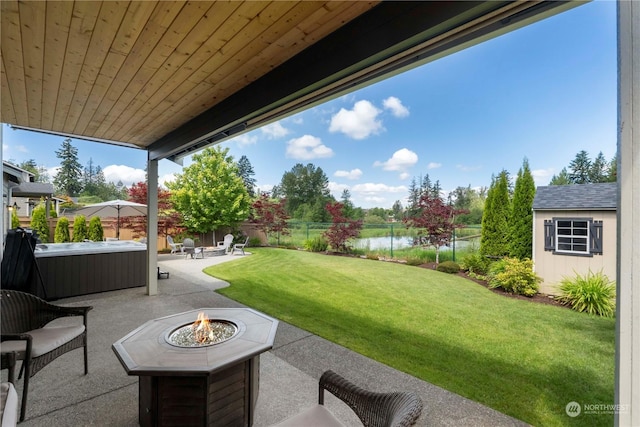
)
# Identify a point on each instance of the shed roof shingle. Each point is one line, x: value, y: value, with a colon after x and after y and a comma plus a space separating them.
x: 601, y: 196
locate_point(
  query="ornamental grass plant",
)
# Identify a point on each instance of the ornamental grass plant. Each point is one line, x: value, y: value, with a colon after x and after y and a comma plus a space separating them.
x: 591, y: 293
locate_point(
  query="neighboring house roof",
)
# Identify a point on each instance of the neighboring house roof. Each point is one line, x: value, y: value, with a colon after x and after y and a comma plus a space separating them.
x: 32, y: 189
x: 15, y: 173
x: 601, y: 196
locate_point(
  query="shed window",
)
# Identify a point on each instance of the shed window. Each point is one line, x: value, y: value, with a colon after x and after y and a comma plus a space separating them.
x: 573, y: 236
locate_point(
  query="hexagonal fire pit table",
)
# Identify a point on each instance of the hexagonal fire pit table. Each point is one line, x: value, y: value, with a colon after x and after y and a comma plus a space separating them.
x: 199, y: 384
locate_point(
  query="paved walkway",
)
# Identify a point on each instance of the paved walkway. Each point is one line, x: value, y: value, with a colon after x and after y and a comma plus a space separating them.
x: 61, y: 396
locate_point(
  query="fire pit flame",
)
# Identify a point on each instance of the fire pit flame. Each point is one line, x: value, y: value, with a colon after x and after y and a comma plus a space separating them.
x: 203, y: 332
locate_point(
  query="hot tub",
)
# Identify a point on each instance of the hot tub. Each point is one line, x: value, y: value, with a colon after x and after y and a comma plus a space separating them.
x: 72, y: 269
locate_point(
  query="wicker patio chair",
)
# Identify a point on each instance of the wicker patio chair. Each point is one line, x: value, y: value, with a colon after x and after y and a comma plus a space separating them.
x: 394, y: 409
x: 24, y: 331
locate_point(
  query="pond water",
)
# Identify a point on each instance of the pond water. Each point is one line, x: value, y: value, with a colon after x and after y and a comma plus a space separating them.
x: 378, y: 243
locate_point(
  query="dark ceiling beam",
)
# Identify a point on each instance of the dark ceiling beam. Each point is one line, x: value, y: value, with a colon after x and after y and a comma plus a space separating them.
x: 386, y: 30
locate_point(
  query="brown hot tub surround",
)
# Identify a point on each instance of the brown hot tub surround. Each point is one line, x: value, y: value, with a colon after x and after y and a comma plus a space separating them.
x: 212, y: 383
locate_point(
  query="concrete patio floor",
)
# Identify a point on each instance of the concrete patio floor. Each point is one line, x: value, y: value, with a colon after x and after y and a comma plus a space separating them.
x: 60, y: 395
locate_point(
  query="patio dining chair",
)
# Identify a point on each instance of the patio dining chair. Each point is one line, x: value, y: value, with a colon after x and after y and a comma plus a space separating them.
x: 394, y: 409
x: 26, y: 332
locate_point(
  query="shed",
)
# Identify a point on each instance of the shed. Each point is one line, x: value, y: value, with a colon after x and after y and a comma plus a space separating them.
x: 574, y: 232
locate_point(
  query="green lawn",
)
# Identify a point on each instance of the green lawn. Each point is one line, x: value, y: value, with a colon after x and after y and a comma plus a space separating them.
x: 524, y: 359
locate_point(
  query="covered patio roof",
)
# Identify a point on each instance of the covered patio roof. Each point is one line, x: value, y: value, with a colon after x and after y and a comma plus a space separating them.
x: 174, y: 77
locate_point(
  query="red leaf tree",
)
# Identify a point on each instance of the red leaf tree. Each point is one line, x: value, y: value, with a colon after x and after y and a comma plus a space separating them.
x: 270, y: 215
x: 435, y: 221
x: 342, y: 228
x: 169, y: 220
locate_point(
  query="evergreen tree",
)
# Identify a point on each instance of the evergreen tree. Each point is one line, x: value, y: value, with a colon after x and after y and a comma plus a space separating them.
x: 68, y: 178
x: 561, y: 179
x: 494, y: 239
x: 61, y: 234
x: 15, y: 220
x: 39, y: 223
x: 398, y: 211
x: 612, y: 170
x: 521, y: 226
x: 79, y: 228
x: 414, y: 196
x: 306, y: 189
x: 95, y: 232
x: 580, y: 168
x: 347, y: 204
x: 246, y: 172
x: 598, y: 171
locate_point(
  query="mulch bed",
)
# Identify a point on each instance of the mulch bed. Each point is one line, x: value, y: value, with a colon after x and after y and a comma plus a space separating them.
x: 538, y: 298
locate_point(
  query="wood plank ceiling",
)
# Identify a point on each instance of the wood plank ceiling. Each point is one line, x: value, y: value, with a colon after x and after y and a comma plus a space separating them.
x: 174, y: 76
x: 133, y: 71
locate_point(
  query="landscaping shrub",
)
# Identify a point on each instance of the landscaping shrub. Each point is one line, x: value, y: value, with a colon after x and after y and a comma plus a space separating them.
x: 316, y: 244
x: 15, y: 221
x: 514, y: 276
x: 476, y: 263
x: 61, y: 234
x: 96, y: 233
x: 254, y: 242
x: 591, y: 293
x: 39, y: 223
x: 448, y: 267
x: 372, y: 255
x: 415, y: 261
x: 79, y: 228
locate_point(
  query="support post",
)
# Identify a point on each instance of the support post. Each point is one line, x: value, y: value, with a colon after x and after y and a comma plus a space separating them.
x: 152, y: 226
x: 627, y: 373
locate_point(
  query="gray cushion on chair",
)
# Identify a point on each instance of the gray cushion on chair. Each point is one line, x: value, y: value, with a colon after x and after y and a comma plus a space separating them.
x: 316, y: 416
x: 44, y: 340
x: 8, y: 405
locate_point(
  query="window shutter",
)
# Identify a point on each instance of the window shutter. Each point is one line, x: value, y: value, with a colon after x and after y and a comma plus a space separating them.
x: 549, y: 235
x: 595, y: 236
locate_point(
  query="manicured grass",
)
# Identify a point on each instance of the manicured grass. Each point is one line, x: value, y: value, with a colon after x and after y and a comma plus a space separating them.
x: 524, y: 359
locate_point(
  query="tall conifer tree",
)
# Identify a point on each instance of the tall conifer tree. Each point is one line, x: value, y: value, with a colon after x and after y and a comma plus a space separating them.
x: 521, y: 221
x: 494, y: 239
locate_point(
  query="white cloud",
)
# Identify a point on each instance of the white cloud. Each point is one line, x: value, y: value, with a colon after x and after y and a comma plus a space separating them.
x: 52, y: 172
x: 337, y: 189
x: 126, y: 174
x: 358, y: 123
x: 352, y: 174
x: 275, y: 130
x: 265, y: 188
x: 371, y: 188
x: 307, y: 147
x: 170, y: 177
x: 542, y: 176
x: 405, y: 175
x: 395, y: 105
x: 245, y: 139
x: 401, y: 160
x: 434, y: 165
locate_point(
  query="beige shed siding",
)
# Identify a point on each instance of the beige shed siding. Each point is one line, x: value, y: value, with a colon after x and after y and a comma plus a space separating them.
x: 553, y: 267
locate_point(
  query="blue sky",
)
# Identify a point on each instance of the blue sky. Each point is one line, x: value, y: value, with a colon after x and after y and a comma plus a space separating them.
x: 543, y: 92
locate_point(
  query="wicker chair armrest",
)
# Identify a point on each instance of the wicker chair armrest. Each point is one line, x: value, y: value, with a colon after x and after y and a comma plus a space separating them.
x: 374, y: 409
x: 61, y: 311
